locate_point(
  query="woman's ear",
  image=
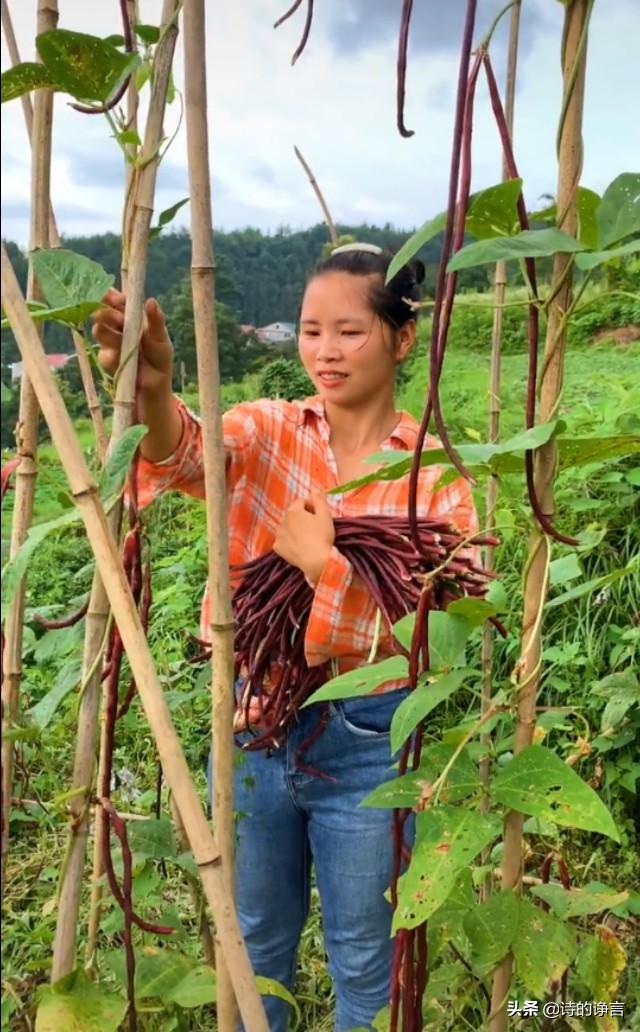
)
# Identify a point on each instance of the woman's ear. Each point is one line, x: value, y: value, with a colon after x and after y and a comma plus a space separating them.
x: 405, y: 340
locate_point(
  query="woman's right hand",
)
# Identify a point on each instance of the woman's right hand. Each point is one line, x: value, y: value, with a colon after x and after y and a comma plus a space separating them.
x: 156, y: 352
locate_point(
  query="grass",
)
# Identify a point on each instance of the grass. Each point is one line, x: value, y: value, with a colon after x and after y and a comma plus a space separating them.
x: 584, y: 641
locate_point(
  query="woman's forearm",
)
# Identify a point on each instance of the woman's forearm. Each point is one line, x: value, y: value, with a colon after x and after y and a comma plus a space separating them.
x: 161, y: 416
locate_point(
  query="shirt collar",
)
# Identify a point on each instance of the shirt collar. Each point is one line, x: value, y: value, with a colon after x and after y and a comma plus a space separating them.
x: 405, y: 432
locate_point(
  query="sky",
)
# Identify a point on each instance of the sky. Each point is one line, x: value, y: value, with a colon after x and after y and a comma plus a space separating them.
x: 337, y: 104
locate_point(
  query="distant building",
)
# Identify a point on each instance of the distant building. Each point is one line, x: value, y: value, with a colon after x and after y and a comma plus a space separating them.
x: 277, y: 332
x: 53, y: 361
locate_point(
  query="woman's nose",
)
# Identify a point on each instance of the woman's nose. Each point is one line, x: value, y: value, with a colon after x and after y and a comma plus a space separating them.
x: 329, y: 347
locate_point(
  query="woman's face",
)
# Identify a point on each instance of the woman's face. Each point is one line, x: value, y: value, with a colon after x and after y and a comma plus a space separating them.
x: 349, y: 353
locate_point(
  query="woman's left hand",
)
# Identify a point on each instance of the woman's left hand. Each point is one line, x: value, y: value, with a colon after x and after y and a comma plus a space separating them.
x: 306, y: 534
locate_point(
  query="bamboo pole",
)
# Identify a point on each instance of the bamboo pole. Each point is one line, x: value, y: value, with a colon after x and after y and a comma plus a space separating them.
x: 333, y: 234
x: 203, y: 274
x: 527, y: 674
x: 93, y: 401
x: 100, y: 603
x: 500, y: 283
x: 84, y: 492
x: 138, y: 213
x: 27, y: 435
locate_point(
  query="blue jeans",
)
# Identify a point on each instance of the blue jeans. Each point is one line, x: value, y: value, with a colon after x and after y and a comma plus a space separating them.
x: 287, y: 821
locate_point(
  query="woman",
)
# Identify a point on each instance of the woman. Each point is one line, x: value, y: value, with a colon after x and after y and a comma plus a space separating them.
x: 281, y: 459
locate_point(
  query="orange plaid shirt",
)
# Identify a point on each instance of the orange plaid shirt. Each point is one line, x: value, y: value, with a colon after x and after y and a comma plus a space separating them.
x: 280, y: 451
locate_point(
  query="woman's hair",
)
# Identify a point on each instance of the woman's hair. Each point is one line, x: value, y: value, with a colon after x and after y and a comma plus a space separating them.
x: 387, y: 300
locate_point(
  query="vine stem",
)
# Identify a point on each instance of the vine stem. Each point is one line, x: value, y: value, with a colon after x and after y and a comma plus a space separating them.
x: 331, y: 226
x: 527, y: 673
x: 141, y: 213
x: 84, y: 363
x: 500, y: 283
x: 109, y: 563
x: 203, y: 281
x: 27, y: 431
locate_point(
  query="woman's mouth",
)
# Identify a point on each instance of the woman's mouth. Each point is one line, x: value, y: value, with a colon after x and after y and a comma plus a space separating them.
x: 331, y: 379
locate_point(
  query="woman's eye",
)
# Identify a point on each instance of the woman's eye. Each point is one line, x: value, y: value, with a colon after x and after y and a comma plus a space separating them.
x: 351, y: 333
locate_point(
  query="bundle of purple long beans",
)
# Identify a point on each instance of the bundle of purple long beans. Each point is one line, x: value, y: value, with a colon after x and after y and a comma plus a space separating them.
x: 273, y: 601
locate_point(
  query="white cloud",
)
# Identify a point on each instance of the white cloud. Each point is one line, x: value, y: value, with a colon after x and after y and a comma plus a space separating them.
x: 339, y: 108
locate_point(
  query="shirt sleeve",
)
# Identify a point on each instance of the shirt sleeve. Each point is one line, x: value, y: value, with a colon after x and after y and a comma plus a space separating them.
x: 184, y: 470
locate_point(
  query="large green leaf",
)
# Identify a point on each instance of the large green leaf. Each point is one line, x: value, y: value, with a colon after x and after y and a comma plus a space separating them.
x: 564, y: 569
x: 197, y: 988
x: 587, y: 587
x: 24, y: 78
x: 530, y: 243
x: 153, y: 838
x: 362, y: 681
x: 160, y: 971
x: 410, y: 789
x: 493, y: 212
x: 119, y: 460
x: 447, y: 840
x: 74, y: 1004
x: 543, y: 948
x: 589, y: 259
x: 448, y: 634
x: 411, y: 247
x: 70, y: 282
x: 475, y: 610
x: 587, y: 202
x: 421, y: 702
x: 600, y: 962
x: 618, y: 213
x: 568, y: 903
x: 15, y: 569
x: 87, y: 67
x: 536, y: 782
x: 166, y: 217
x: 44, y: 711
x: 491, y: 928
x: 269, y: 987
x: 582, y: 451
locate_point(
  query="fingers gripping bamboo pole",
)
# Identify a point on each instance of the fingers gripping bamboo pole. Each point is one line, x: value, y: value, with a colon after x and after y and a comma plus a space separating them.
x: 576, y: 18
x: 203, y: 285
x: 27, y: 436
x: 139, y: 207
x: 108, y: 560
x: 93, y: 401
x: 500, y: 284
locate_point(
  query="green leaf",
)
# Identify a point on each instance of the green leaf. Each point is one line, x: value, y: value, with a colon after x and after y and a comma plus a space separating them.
x: 45, y: 710
x: 491, y: 928
x: 632, y: 476
x: 167, y: 216
x: 143, y: 74
x: 409, y: 789
x: 568, y: 903
x: 590, y: 259
x: 77, y: 1005
x: 149, y: 34
x: 411, y: 247
x: 474, y: 610
x: 153, y: 839
x: 543, y: 948
x: 497, y: 596
x: 600, y: 962
x: 587, y: 587
x: 618, y: 213
x: 530, y: 243
x: 161, y: 971
x: 24, y: 78
x: 119, y: 461
x: 421, y: 702
x: 536, y: 782
x: 447, y: 840
x: 269, y: 987
x: 564, y: 569
x: 73, y: 286
x: 15, y: 569
x: 196, y: 989
x: 87, y: 67
x: 587, y: 202
x: 448, y: 634
x: 494, y: 212
x: 129, y: 136
x: 361, y: 681
x: 582, y: 451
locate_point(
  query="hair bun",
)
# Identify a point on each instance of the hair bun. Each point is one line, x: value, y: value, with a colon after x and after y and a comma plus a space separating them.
x: 419, y: 270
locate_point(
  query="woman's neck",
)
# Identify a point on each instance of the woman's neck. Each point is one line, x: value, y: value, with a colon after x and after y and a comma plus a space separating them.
x: 355, y: 430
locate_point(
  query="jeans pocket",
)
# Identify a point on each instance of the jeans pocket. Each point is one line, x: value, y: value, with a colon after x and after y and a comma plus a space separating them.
x: 370, y: 716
